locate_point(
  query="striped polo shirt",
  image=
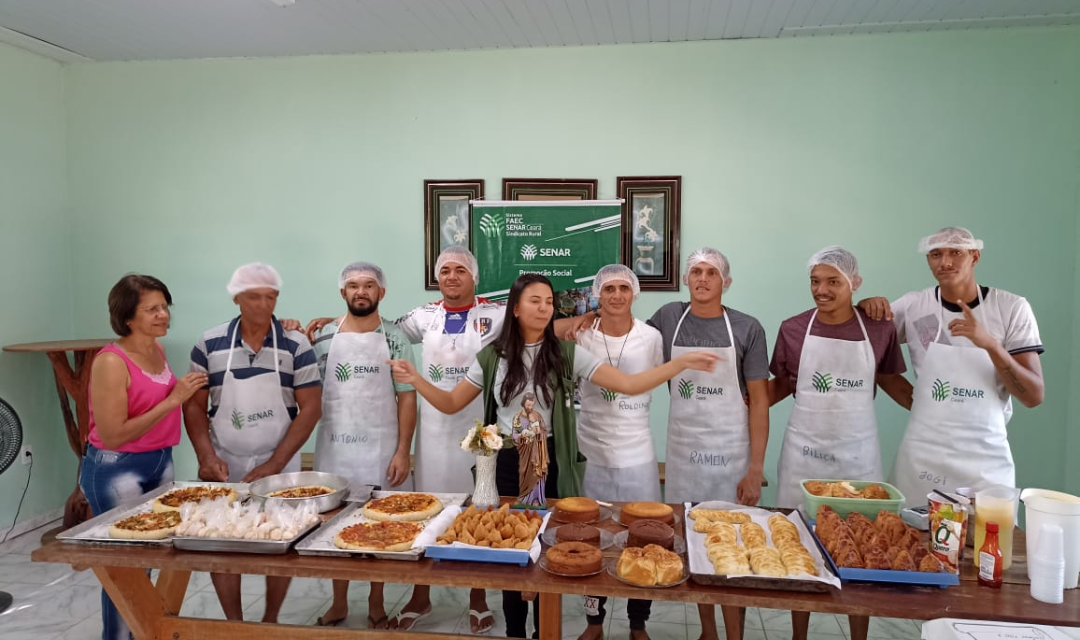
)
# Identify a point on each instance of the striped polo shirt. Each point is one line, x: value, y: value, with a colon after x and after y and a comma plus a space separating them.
x: 296, y: 361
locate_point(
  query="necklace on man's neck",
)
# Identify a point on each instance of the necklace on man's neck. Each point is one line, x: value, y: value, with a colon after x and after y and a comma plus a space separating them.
x: 626, y: 339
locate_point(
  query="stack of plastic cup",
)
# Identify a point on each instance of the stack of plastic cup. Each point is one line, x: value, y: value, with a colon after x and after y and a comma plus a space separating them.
x: 1046, y: 565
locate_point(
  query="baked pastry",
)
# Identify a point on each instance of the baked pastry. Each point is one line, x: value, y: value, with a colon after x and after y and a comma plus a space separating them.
x: 797, y: 560
x: 722, y: 533
x: 578, y: 532
x: 649, y: 566
x: 729, y: 560
x: 765, y: 561
x: 577, y: 510
x: 634, y: 511
x: 720, y: 515
x: 644, y: 532
x: 753, y: 535
x: 574, y: 559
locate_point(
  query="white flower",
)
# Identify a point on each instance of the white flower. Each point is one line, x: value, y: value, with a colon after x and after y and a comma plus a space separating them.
x: 466, y: 443
x: 492, y: 440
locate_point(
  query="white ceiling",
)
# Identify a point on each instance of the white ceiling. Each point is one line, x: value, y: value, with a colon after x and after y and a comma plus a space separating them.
x: 85, y: 30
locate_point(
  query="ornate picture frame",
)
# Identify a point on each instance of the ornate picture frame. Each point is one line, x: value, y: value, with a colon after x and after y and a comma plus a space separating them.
x: 447, y: 219
x: 549, y: 189
x: 650, y: 229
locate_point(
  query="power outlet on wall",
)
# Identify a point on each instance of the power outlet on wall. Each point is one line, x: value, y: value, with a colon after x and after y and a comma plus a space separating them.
x: 26, y: 453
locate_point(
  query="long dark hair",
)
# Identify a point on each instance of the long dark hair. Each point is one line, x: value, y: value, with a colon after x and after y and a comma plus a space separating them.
x: 510, y: 346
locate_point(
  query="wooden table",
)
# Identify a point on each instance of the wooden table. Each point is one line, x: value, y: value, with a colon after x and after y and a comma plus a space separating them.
x: 152, y: 611
x: 73, y: 381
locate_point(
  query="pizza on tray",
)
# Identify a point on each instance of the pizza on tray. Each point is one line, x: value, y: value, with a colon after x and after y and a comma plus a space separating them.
x: 172, y: 500
x: 309, y: 491
x: 378, y: 536
x: 146, y: 526
x: 403, y: 507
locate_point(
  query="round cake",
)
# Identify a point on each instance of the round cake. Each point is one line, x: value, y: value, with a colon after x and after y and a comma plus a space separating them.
x: 643, y: 532
x: 577, y: 510
x: 574, y: 559
x: 634, y: 511
x: 578, y: 532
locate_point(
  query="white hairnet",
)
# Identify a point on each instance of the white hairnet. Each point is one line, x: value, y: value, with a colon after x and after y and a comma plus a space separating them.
x: 711, y: 256
x: 460, y: 255
x: 613, y: 272
x: 361, y: 269
x: 253, y: 276
x: 842, y: 260
x: 949, y: 238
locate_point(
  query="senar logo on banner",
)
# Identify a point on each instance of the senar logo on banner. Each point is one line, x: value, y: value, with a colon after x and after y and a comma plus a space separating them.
x: 565, y: 241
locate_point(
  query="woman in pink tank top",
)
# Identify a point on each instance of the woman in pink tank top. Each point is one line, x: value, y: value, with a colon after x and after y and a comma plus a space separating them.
x: 135, y: 405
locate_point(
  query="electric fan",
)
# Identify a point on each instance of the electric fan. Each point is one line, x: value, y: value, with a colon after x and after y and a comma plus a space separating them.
x: 10, y: 443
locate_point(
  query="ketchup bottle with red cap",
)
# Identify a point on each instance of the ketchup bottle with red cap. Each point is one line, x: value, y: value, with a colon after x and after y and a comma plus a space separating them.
x: 990, y: 558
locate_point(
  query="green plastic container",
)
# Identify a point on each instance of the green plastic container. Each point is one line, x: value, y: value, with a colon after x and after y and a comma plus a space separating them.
x: 844, y: 506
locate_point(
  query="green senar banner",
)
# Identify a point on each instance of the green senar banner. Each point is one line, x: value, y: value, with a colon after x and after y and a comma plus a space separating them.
x: 566, y: 241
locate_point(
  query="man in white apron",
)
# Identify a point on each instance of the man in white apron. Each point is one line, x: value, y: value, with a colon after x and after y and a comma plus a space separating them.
x: 451, y: 331
x: 264, y: 399
x: 367, y: 420
x: 718, y: 424
x: 831, y: 359
x: 972, y: 348
x: 613, y: 428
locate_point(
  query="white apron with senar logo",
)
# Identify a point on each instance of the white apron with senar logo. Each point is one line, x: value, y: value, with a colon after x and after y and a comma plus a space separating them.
x: 251, y: 419
x: 441, y: 464
x: 832, y: 430
x: 956, y: 433
x: 358, y: 433
x: 613, y: 428
x: 708, y: 442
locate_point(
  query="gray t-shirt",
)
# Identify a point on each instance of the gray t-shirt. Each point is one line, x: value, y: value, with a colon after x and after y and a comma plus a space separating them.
x: 751, y: 351
x: 585, y: 365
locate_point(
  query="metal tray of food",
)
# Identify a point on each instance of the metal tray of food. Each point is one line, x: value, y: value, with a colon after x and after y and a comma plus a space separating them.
x: 96, y: 529
x: 702, y: 572
x: 240, y: 545
x: 339, y: 486
x: 321, y: 543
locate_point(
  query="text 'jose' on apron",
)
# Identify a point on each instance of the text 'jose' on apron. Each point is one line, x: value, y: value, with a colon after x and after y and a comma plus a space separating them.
x: 358, y: 432
x: 251, y: 418
x: 708, y: 439
x: 832, y: 431
x: 613, y: 429
x: 956, y: 433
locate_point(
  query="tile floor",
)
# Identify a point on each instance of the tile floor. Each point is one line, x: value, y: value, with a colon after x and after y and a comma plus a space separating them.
x: 52, y: 602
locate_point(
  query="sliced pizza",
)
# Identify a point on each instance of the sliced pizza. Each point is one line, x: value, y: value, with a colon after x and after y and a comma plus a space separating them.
x: 310, y: 491
x: 146, y: 526
x: 378, y: 536
x: 172, y: 500
x: 403, y: 507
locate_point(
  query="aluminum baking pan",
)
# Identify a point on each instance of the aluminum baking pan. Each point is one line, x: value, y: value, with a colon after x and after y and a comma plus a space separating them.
x: 261, y: 488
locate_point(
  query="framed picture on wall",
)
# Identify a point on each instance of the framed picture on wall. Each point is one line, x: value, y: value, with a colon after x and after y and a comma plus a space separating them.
x: 447, y: 219
x: 650, y: 229
x: 548, y: 189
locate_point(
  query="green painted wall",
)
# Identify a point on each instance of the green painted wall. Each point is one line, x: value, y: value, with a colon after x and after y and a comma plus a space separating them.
x: 35, y: 259
x: 187, y: 169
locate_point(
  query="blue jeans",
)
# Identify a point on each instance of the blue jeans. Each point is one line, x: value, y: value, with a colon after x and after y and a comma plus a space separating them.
x: 109, y: 479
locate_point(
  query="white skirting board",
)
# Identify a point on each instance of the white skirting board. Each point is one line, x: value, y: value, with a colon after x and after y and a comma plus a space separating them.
x: 32, y: 523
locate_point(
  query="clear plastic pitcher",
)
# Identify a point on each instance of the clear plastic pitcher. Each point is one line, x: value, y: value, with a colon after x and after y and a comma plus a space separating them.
x: 1053, y: 507
x: 997, y: 504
